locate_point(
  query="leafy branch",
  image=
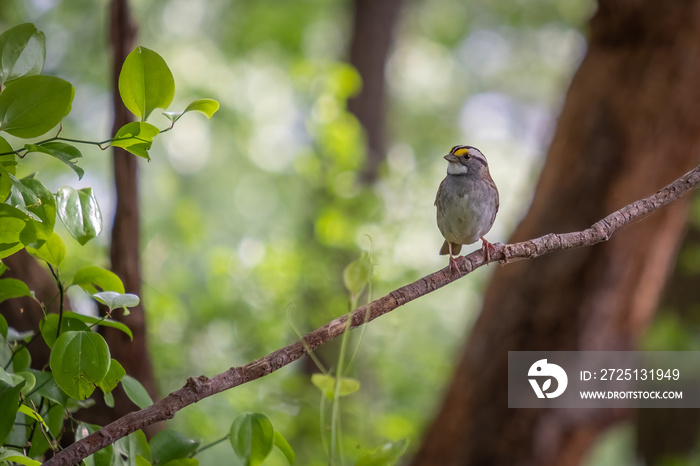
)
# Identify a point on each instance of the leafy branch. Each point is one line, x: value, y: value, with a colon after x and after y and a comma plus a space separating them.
x: 196, y: 389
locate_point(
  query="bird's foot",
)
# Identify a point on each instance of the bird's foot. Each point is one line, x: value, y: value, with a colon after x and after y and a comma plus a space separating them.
x: 453, y: 266
x: 485, y: 246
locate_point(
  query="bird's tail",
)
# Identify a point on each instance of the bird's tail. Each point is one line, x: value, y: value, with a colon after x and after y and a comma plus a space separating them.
x: 445, y: 250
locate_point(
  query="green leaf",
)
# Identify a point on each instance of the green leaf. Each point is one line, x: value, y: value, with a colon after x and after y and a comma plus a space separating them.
x: 141, y: 461
x: 9, y: 404
x: 8, y: 166
x: 54, y: 419
x: 168, y: 445
x: 21, y: 360
x: 52, y: 250
x: 30, y: 382
x: 61, y: 151
x: 99, y: 321
x: 79, y: 361
x: 12, y: 288
x: 12, y: 223
x: 115, y: 373
x: 386, y: 455
x: 102, y: 457
x: 9, y: 378
x: 182, y: 462
x: 136, y: 392
x: 145, y: 83
x: 115, y: 300
x: 91, y: 278
x: 251, y: 438
x: 46, y: 386
x: 283, y: 446
x: 327, y: 385
x: 32, y: 105
x: 48, y: 327
x: 3, y: 327
x: 206, y: 106
x: 357, y: 274
x: 18, y: 457
x: 79, y: 212
x: 136, y: 137
x: 108, y: 397
x: 22, y: 52
x: 27, y: 411
x: 132, y: 445
x: 32, y: 197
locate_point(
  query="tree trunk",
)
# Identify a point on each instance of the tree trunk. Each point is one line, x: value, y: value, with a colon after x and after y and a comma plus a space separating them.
x: 125, y: 249
x: 373, y: 29
x: 24, y: 314
x: 656, y: 442
x: 124, y: 252
x: 629, y: 126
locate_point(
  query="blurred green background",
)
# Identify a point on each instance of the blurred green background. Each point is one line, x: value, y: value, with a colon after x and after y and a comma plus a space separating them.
x: 253, y: 216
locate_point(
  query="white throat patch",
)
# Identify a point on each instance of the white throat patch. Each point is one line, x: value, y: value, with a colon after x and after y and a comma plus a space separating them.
x: 455, y: 168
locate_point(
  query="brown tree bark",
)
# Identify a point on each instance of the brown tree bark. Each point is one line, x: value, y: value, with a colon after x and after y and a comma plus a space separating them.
x: 373, y: 29
x: 24, y: 314
x: 124, y: 250
x: 628, y: 126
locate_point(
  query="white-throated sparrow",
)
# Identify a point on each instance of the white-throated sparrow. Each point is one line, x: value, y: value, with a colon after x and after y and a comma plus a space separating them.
x: 466, y: 201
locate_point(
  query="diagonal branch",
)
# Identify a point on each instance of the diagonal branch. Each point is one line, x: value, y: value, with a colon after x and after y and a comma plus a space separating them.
x: 197, y: 389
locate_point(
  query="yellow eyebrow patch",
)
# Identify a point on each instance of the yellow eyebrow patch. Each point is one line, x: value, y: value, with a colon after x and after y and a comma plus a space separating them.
x: 461, y: 151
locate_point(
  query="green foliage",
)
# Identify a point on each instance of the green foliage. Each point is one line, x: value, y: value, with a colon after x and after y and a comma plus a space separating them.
x: 357, y: 275
x: 13, y: 223
x: 136, y: 137
x: 32, y: 105
x: 93, y: 278
x: 11, y: 288
x: 252, y: 437
x: 22, y: 52
x: 134, y: 448
x: 331, y: 388
x: 170, y: 445
x: 34, y: 404
x: 283, y: 446
x: 79, y: 361
x: 61, y: 151
x: 17, y: 457
x: 145, y: 83
x: 208, y: 107
x: 52, y: 250
x: 79, y: 212
x: 114, y: 300
x: 136, y: 392
x: 115, y: 373
x: 386, y: 455
x: 9, y: 402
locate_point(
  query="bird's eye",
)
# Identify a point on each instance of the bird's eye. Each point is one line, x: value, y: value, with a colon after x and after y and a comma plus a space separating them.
x: 461, y: 151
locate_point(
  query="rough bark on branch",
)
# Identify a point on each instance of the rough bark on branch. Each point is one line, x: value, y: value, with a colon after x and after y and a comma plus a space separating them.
x: 202, y: 387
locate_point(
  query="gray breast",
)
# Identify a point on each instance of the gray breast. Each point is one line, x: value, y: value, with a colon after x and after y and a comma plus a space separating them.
x: 468, y: 208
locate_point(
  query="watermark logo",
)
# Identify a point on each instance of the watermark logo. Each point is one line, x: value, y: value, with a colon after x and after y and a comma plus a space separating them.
x: 541, y: 369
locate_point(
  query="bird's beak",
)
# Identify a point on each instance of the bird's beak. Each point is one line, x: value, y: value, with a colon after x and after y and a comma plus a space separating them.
x: 451, y: 158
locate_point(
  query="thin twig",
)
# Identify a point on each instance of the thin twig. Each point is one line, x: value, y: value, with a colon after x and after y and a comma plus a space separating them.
x: 196, y: 389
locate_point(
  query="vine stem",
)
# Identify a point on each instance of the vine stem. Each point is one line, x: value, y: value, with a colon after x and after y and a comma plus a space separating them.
x: 196, y: 389
x: 61, y: 292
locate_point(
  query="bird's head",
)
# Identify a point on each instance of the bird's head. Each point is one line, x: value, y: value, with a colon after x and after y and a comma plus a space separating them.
x: 465, y: 159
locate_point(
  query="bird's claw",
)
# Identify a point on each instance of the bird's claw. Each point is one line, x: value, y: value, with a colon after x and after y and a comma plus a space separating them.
x: 453, y: 266
x: 485, y: 246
